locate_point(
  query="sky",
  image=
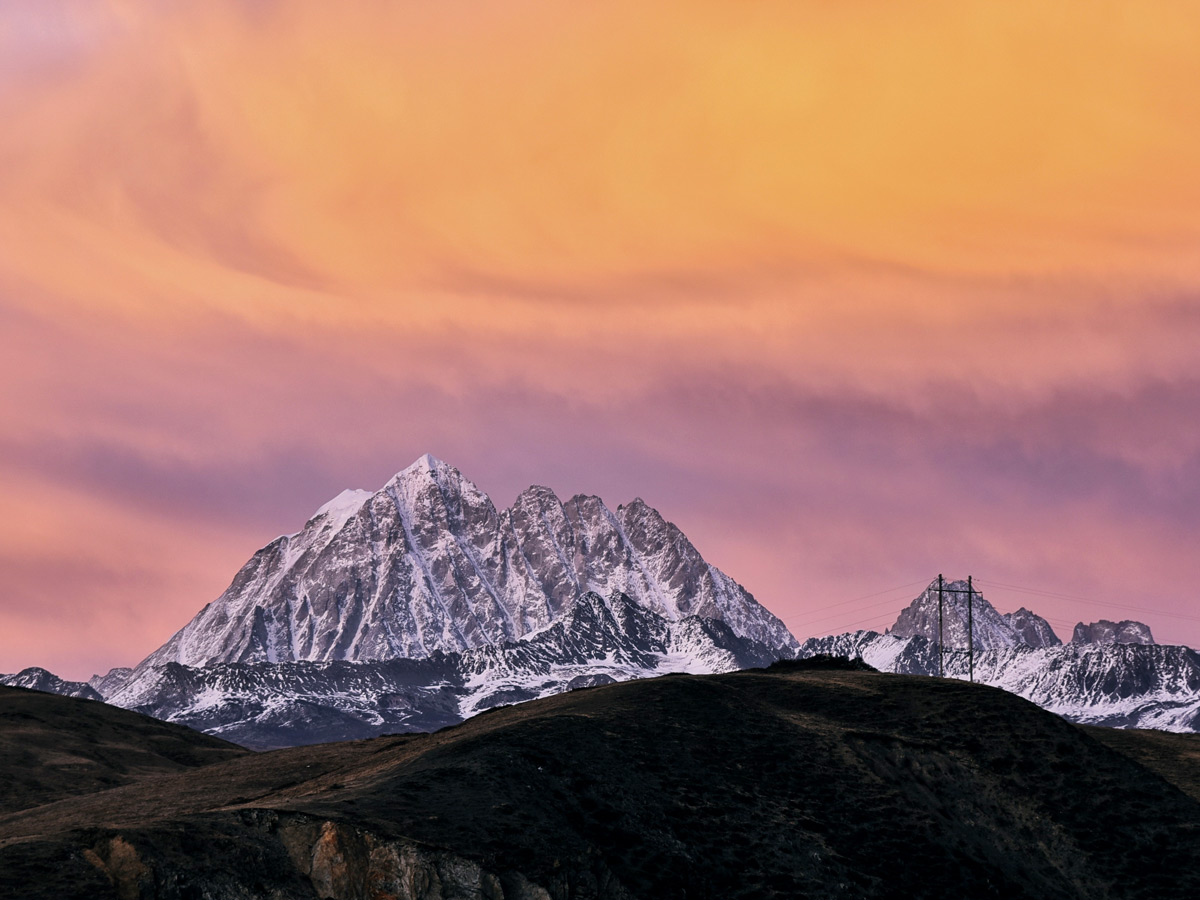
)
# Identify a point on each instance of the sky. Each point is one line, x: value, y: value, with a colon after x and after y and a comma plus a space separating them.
x: 854, y: 293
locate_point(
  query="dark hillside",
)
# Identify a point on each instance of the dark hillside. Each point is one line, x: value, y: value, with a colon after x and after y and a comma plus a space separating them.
x: 1176, y: 757
x: 819, y: 783
x: 53, y: 747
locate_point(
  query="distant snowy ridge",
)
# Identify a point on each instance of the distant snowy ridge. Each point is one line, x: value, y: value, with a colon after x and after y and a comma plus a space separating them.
x: 1110, y: 674
x: 596, y: 641
x: 37, y: 679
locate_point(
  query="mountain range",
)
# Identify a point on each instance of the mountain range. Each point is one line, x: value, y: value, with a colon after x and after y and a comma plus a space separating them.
x: 1111, y: 673
x: 419, y: 605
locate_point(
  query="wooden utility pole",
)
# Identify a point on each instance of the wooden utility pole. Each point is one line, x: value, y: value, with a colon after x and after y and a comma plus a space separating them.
x: 970, y: 627
x: 941, y: 666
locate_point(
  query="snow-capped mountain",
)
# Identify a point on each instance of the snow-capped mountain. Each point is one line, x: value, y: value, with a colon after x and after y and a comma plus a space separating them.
x: 428, y: 564
x: 1097, y: 679
x: 991, y: 629
x: 595, y: 641
x: 420, y: 604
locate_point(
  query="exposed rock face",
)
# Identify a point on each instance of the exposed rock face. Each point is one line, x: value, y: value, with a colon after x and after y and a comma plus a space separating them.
x: 343, y: 861
x: 266, y: 705
x: 1110, y: 674
x: 1117, y: 685
x: 992, y: 630
x: 1031, y: 629
x: 305, y: 857
x: 428, y: 564
x: 107, y: 683
x: 40, y: 680
x: 1106, y: 632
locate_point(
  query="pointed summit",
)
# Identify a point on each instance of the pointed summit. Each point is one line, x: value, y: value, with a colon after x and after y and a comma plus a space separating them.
x: 992, y: 630
x: 428, y: 564
x: 339, y: 510
x: 425, y: 466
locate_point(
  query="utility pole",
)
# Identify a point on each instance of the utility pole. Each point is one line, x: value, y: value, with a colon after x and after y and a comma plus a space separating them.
x: 970, y: 627
x: 941, y: 667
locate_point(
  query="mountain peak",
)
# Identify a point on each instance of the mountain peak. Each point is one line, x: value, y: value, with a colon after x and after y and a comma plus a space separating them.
x: 342, y: 507
x: 425, y: 466
x: 435, y: 567
x: 1106, y: 632
x: 991, y: 629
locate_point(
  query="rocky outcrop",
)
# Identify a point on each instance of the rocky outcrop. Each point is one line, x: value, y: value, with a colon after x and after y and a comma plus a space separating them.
x: 1031, y: 629
x: 304, y: 857
x: 1106, y: 632
x: 960, y: 607
x: 347, y: 863
x: 36, y: 679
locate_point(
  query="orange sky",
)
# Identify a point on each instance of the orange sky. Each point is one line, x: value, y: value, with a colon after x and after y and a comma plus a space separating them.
x: 852, y: 292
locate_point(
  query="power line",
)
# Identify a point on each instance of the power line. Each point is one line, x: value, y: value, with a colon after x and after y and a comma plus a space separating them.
x: 863, y: 621
x: 1091, y: 602
x: 887, y: 602
x: 1029, y: 590
x: 854, y: 600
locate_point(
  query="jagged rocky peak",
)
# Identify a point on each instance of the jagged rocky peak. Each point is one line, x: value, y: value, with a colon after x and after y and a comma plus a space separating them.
x: 1106, y: 632
x: 428, y: 564
x: 992, y: 630
x: 1031, y: 629
x: 38, y: 679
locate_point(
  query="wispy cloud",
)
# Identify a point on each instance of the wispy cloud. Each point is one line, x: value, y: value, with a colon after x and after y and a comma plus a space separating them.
x: 852, y: 292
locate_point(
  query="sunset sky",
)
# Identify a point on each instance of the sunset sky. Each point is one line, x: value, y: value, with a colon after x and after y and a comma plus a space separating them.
x: 854, y: 293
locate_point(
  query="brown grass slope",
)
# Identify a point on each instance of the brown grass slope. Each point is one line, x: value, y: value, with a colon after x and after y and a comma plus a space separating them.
x: 53, y: 747
x: 785, y: 783
x: 1176, y: 757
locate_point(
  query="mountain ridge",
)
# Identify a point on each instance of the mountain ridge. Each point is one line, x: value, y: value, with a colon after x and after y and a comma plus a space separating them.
x: 428, y: 563
x: 1096, y: 679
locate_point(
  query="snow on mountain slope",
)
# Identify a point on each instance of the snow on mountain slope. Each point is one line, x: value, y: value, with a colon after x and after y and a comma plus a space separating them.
x: 991, y: 630
x: 595, y: 641
x: 36, y: 679
x: 1118, y: 685
x: 1110, y: 674
x: 428, y: 564
x: 1106, y: 632
x: 1030, y: 629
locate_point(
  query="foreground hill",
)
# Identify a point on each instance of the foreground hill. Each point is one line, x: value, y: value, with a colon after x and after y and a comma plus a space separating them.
x: 53, y: 747
x: 789, y: 782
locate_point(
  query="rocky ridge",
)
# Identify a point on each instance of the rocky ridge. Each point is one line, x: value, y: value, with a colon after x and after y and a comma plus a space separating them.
x: 38, y: 679
x: 1095, y: 679
x: 1106, y: 632
x: 597, y: 641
